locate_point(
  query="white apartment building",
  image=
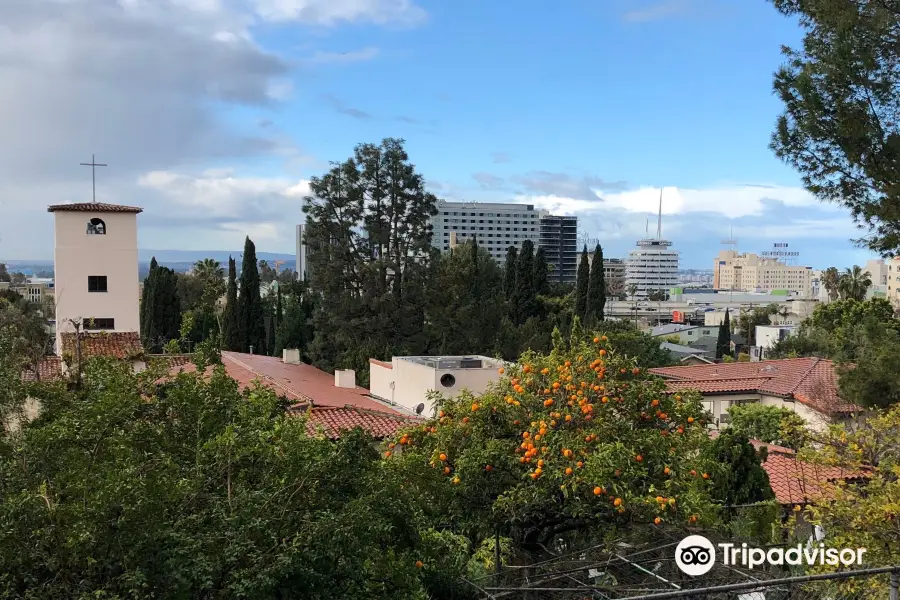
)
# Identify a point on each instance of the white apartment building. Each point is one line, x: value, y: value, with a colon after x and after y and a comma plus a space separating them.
x: 653, y: 266
x: 407, y: 381
x: 497, y: 226
x: 96, y: 268
x: 893, y: 280
x: 753, y: 273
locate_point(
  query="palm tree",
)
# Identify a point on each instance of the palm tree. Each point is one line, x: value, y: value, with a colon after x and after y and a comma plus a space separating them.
x: 209, y: 269
x: 854, y: 283
x: 831, y: 280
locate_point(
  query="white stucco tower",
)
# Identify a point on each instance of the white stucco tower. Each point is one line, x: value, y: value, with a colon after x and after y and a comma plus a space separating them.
x: 96, y: 268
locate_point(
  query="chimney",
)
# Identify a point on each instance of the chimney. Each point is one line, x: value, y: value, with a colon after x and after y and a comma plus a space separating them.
x: 290, y: 356
x: 345, y: 378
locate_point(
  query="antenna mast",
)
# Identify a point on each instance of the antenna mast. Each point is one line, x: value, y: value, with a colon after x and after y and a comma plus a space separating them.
x: 659, y: 221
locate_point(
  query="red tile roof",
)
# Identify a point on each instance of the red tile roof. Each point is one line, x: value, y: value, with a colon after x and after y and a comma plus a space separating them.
x: 332, y: 421
x: 115, y: 344
x: 331, y: 408
x: 48, y: 368
x: 811, y: 381
x: 171, y: 360
x: 94, y: 207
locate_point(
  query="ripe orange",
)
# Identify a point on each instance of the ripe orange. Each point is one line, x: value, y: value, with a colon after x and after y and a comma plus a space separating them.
x: 579, y: 464
x: 443, y: 456
x: 604, y: 338
x: 517, y: 422
x: 534, y: 475
x: 465, y: 419
x: 474, y: 407
x: 667, y: 470
x: 569, y: 471
x: 446, y: 470
x: 690, y: 419
x: 419, y: 564
x: 654, y: 403
x: 526, y: 369
x: 598, y: 490
x: 523, y: 459
x: 692, y: 519
x: 539, y: 470
x: 441, y: 414
x: 488, y: 468
x: 617, y: 502
x: 501, y: 370
x: 602, y: 352
x: 706, y: 476
x: 677, y: 398
x: 568, y: 363
x: 596, y: 340
x: 568, y: 418
x: 540, y: 464
x: 657, y: 521
x: 660, y: 499
x: 392, y: 445
x: 693, y: 473
x: 387, y: 454
x: 545, y: 371
x: 635, y: 371
x: 639, y: 458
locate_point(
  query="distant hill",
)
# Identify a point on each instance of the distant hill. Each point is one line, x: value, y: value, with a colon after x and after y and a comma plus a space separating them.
x: 192, y: 256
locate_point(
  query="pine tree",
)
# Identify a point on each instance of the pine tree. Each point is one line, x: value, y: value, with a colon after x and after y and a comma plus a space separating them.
x: 596, y: 301
x: 160, y: 310
x: 251, y: 322
x: 540, y: 272
x: 230, y: 335
x: 723, y: 343
x: 526, y: 299
x: 279, y: 307
x: 148, y: 306
x: 581, y: 286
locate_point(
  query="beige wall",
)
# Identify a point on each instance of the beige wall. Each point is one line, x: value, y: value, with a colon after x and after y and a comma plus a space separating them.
x: 413, y: 381
x: 78, y: 255
x: 750, y: 272
x: 719, y: 405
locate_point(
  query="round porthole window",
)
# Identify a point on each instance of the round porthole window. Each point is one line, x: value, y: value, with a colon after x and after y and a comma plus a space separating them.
x: 448, y: 380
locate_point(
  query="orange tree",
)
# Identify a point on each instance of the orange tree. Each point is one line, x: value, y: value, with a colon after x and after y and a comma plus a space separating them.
x: 580, y: 440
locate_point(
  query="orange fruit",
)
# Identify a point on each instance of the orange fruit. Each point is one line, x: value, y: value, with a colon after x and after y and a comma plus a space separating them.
x: 639, y: 458
x: 657, y: 521
x: 693, y: 473
x: 569, y: 471
x: 526, y: 369
x: 604, y: 338
x: 690, y: 419
x: 602, y: 352
x: 488, y: 468
x: 443, y: 456
x: 598, y: 490
x: 419, y: 564
x: 501, y: 370
x: 654, y: 403
x: 474, y: 407
x: 387, y: 454
x: 617, y: 502
x: 596, y: 340
x: 706, y: 476
x: 667, y: 470
x: 446, y: 470
x: 540, y: 464
x: 692, y: 519
x: 465, y: 419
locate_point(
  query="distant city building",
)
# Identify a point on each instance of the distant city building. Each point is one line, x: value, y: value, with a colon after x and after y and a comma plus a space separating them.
x: 37, y: 291
x: 559, y: 239
x: 301, y: 266
x: 751, y: 272
x: 497, y: 226
x: 96, y: 270
x: 653, y: 266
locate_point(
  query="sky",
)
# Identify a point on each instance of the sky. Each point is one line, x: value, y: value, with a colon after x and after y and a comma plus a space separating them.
x: 212, y: 115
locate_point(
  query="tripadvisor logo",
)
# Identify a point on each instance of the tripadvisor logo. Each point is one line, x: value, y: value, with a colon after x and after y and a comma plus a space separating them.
x: 695, y: 555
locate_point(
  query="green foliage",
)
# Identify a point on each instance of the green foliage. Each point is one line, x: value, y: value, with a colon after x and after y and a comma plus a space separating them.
x: 840, y: 94
x: 199, y: 491
x: 769, y: 424
x: 160, y: 309
x: 526, y: 297
x: 231, y: 337
x: 582, y: 283
x: 748, y: 320
x: 723, y: 343
x: 541, y: 270
x: 596, y: 292
x: 509, y: 275
x: 742, y: 480
x: 250, y: 323
x: 629, y: 340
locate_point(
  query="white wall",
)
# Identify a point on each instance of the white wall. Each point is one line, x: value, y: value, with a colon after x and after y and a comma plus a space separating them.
x: 78, y: 255
x: 768, y: 335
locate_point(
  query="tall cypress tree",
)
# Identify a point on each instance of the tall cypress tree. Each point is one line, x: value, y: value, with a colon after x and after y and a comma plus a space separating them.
x: 230, y: 335
x: 540, y: 272
x: 526, y: 301
x: 723, y: 343
x: 581, y: 286
x: 509, y: 275
x: 148, y: 305
x: 596, y: 302
x: 251, y: 322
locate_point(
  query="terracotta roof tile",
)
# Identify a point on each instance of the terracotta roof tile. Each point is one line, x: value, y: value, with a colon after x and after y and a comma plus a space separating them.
x: 49, y: 368
x: 812, y: 381
x: 98, y: 207
x: 115, y: 344
x: 171, y: 360
x: 333, y: 420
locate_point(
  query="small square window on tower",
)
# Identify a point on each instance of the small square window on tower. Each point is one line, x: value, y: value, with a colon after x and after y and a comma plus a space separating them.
x: 97, y: 283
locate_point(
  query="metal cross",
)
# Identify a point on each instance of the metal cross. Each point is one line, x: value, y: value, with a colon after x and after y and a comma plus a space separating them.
x: 93, y: 165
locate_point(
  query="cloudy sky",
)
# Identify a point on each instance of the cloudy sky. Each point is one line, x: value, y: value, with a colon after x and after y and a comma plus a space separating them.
x: 213, y: 114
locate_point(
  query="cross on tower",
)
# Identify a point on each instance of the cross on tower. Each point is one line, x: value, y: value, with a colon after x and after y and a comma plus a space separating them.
x: 93, y: 165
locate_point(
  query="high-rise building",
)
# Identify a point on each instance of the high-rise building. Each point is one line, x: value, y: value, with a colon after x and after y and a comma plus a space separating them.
x: 653, y: 266
x: 751, y: 272
x: 559, y: 239
x: 497, y: 226
x: 301, y: 266
x: 95, y: 266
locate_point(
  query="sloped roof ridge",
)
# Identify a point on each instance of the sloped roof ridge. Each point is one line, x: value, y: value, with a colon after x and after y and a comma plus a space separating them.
x: 268, y: 379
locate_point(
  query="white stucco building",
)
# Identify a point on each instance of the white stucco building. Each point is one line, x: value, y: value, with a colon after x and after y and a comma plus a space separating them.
x: 407, y: 380
x: 96, y: 268
x: 653, y: 266
x: 753, y: 273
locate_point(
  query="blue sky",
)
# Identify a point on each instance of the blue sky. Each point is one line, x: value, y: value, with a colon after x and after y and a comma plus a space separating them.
x: 582, y: 107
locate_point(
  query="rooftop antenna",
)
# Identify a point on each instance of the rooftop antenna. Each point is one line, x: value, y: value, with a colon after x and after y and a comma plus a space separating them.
x: 730, y: 242
x: 659, y: 221
x: 647, y: 228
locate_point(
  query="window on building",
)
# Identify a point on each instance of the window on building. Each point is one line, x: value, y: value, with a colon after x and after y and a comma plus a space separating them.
x: 96, y: 227
x: 97, y: 283
x: 95, y: 324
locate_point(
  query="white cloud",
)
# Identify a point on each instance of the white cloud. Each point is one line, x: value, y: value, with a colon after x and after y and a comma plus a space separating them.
x: 331, y: 12
x: 733, y: 201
